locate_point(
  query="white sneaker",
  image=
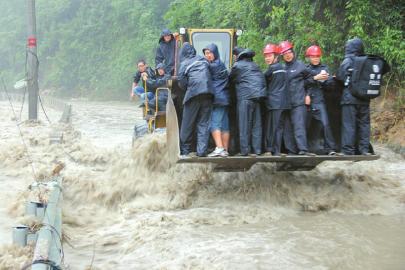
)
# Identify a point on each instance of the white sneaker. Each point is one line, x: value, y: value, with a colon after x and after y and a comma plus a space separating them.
x: 224, y: 153
x: 217, y: 152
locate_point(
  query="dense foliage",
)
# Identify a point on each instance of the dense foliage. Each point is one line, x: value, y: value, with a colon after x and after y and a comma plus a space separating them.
x: 89, y: 47
x: 85, y: 47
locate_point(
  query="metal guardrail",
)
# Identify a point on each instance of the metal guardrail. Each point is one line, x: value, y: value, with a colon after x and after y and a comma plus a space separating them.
x: 48, y: 252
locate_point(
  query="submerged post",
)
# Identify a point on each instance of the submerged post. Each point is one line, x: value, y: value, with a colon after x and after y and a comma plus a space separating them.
x: 32, y: 62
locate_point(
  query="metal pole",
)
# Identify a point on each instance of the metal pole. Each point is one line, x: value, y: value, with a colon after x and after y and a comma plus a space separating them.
x: 32, y: 61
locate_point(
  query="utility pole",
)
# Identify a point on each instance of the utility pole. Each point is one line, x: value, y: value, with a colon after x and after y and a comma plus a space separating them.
x: 32, y: 61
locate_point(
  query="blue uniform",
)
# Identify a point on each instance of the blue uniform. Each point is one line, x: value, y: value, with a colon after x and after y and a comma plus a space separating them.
x: 297, y: 74
x: 277, y: 105
x: 318, y: 112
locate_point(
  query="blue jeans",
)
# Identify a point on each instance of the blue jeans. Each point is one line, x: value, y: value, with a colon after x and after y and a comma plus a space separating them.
x: 150, y: 96
x: 140, y: 92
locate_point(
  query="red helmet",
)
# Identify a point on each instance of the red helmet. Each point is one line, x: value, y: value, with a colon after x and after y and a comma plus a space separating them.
x: 314, y: 51
x: 285, y: 46
x: 271, y: 48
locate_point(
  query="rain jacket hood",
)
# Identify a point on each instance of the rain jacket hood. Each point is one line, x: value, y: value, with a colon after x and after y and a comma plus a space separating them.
x: 165, y: 32
x: 194, y: 75
x: 219, y: 74
x: 354, y: 47
x: 214, y: 49
x: 187, y: 51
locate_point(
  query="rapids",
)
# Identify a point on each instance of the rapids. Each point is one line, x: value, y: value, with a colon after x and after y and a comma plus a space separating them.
x: 126, y: 208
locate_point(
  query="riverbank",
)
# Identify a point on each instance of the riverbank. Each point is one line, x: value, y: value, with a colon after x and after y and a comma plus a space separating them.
x: 388, y: 124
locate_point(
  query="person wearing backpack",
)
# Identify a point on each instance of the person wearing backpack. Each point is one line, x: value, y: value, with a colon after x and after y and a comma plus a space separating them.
x: 355, y: 102
x: 315, y: 90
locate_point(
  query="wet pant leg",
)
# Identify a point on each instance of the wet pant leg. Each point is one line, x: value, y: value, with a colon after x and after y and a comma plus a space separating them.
x: 298, y: 119
x: 268, y: 132
x: 245, y: 113
x: 274, y: 131
x: 196, y: 113
x: 203, y: 125
x: 288, y: 134
x: 256, y: 128
x: 348, y: 129
x: 363, y: 127
x: 321, y: 114
x: 250, y: 126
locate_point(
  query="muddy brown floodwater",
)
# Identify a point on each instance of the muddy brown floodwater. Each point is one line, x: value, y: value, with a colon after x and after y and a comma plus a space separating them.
x: 125, y: 208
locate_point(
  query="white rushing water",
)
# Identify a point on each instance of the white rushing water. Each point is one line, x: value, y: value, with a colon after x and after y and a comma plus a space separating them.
x: 126, y: 208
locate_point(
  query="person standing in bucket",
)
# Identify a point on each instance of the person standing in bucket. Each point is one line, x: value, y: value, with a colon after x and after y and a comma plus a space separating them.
x: 355, y: 111
x: 297, y: 74
x: 248, y: 81
x: 219, y: 119
x: 195, y: 79
x: 277, y: 102
x: 315, y: 89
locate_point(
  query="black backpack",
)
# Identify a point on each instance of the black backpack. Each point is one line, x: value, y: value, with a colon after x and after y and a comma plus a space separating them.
x: 366, y: 76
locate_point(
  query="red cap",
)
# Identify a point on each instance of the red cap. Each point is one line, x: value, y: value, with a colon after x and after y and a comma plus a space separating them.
x: 271, y: 48
x: 285, y: 46
x: 314, y: 51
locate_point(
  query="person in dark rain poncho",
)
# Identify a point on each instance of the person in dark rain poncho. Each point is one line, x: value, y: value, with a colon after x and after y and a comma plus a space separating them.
x: 355, y: 111
x: 195, y: 79
x: 247, y: 80
x: 165, y: 53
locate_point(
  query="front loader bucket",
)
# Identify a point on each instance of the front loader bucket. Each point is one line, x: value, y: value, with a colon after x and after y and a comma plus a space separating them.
x: 172, y: 131
x: 283, y: 163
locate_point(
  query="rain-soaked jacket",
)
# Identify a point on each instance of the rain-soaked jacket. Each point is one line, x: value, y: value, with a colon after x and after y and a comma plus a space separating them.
x: 219, y: 75
x: 247, y: 78
x: 297, y: 75
x: 194, y: 76
x: 165, y: 53
x: 314, y: 88
x: 353, y: 47
x: 158, y: 81
x: 277, y: 96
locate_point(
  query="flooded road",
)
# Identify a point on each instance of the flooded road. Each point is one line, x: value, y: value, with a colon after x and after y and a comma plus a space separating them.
x: 127, y: 209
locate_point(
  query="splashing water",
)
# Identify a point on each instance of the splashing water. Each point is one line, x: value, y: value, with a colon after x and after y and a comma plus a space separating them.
x: 128, y: 209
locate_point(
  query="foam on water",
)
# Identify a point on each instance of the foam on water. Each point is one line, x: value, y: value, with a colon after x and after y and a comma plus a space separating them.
x: 132, y: 209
